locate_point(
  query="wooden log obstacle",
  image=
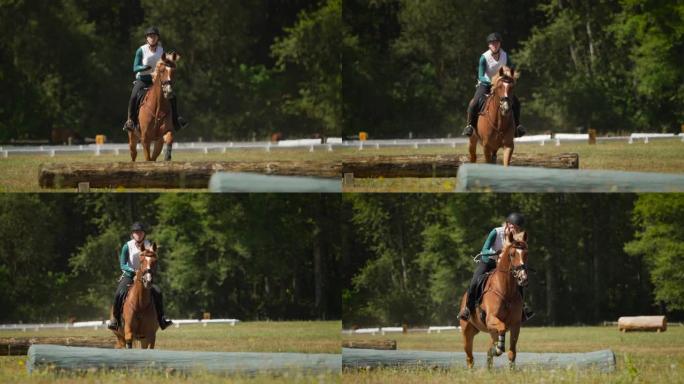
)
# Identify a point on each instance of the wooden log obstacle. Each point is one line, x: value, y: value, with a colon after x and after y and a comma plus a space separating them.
x: 15, y: 346
x: 443, y: 165
x: 197, y: 174
x: 642, y: 323
x: 169, y: 174
x: 492, y: 178
x: 382, y: 344
x: 60, y: 358
x: 603, y: 360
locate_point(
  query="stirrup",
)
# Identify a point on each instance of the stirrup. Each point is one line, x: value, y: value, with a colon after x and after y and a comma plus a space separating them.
x: 468, y: 130
x: 128, y: 126
x: 519, y: 131
x: 113, y: 325
x: 164, y: 323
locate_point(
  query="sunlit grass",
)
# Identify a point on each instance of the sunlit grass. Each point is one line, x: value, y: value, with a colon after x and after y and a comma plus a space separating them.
x: 641, y: 357
x: 292, y: 336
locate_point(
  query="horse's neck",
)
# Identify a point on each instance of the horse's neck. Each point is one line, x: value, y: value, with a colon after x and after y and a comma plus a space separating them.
x: 503, y: 271
x: 139, y: 294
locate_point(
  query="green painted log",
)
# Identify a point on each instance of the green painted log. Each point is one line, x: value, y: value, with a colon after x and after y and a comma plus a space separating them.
x: 60, y: 358
x: 493, y: 178
x: 250, y: 182
x: 603, y: 360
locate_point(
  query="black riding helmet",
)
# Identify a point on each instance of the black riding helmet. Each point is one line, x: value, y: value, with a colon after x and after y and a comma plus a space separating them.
x: 516, y: 219
x: 494, y: 36
x: 152, y: 31
x: 137, y: 226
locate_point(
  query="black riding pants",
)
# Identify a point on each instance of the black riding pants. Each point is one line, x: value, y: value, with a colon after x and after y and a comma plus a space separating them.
x: 480, y: 270
x: 121, y: 290
x: 138, y: 85
x: 477, y: 103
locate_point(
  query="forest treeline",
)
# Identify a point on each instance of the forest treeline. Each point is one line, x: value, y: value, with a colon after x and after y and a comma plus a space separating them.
x: 596, y: 256
x: 248, y: 69
x: 250, y: 257
x: 611, y: 65
x: 331, y: 67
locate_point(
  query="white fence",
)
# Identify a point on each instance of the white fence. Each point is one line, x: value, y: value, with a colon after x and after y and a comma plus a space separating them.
x: 386, y: 330
x: 315, y: 144
x: 97, y: 324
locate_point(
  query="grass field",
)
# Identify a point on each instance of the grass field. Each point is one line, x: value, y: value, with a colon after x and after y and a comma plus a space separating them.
x: 19, y: 173
x: 305, y: 337
x: 641, y: 357
x: 656, y: 156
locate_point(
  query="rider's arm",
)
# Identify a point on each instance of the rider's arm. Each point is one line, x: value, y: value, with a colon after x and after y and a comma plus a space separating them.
x: 482, y: 71
x: 123, y: 260
x: 138, y: 61
x: 487, y: 247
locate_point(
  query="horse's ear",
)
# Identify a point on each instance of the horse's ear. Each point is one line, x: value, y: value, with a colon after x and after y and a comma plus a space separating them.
x: 501, y: 71
x: 154, y: 247
x: 513, y: 73
x: 524, y: 236
x: 509, y: 236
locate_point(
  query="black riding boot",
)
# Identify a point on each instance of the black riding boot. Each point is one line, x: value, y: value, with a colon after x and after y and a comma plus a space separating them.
x: 159, y: 306
x: 472, y: 119
x: 178, y: 121
x: 519, y: 129
x: 115, y: 321
x: 528, y: 313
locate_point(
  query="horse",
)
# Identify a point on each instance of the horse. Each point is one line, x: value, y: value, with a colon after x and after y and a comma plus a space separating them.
x: 501, y: 307
x: 156, y: 122
x: 139, y: 315
x: 495, y: 126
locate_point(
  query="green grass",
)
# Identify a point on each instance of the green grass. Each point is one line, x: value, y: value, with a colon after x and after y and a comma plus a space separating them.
x: 304, y: 336
x: 19, y: 173
x: 656, y: 156
x: 641, y: 357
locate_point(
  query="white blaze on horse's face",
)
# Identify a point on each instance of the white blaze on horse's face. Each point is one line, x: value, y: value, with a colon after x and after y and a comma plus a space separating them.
x: 520, y: 273
x: 147, y: 276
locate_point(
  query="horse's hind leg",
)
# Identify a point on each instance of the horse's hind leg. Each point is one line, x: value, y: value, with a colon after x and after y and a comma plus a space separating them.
x: 472, y: 147
x: 512, y: 351
x: 133, y: 145
x: 469, y: 332
x: 507, y: 155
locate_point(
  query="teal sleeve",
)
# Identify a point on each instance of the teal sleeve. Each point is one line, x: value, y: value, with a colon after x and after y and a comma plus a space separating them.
x: 487, y: 247
x: 482, y: 70
x: 123, y: 258
x: 137, y: 62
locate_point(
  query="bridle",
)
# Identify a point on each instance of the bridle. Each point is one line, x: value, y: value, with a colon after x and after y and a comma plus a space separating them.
x: 517, y: 269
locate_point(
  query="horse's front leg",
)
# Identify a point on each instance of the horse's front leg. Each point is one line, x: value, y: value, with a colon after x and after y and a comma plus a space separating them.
x: 168, y: 145
x: 489, y: 155
x: 157, y: 148
x: 128, y: 333
x: 512, y: 351
x: 146, y: 149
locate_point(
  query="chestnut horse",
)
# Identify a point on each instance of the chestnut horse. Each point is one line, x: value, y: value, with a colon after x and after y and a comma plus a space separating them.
x: 156, y: 122
x: 139, y: 316
x: 495, y: 126
x: 501, y: 307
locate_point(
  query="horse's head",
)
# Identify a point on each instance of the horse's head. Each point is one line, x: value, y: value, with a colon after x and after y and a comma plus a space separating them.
x: 515, y: 248
x: 165, y: 69
x: 502, y: 85
x: 148, y: 265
